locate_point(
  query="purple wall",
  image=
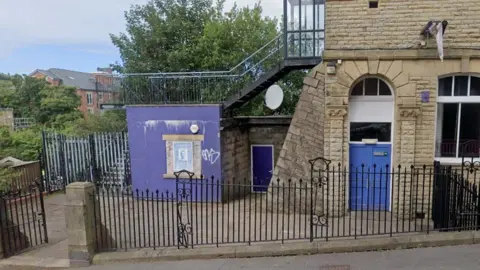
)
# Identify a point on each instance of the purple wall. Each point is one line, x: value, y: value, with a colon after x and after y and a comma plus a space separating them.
x: 147, y: 124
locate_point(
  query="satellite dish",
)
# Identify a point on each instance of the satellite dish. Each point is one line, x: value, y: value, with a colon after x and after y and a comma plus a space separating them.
x: 274, y: 97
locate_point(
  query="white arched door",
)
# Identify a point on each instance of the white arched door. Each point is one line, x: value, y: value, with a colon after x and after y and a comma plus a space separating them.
x: 371, y: 111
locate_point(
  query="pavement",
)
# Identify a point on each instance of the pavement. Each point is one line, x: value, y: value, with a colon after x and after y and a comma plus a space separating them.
x: 452, y: 257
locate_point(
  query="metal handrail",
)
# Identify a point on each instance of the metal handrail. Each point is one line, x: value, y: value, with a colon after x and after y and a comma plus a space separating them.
x: 191, y: 73
x: 213, y: 74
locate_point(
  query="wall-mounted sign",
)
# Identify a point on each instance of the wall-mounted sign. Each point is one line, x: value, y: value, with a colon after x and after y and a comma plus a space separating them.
x: 380, y: 154
x: 425, y: 96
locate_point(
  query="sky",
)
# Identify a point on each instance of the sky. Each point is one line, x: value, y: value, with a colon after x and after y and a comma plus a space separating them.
x: 70, y: 34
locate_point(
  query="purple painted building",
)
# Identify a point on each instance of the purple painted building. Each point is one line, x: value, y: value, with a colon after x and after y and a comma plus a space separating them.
x: 166, y: 139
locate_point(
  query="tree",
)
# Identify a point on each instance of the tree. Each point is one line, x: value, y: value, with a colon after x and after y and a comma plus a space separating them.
x: 162, y: 35
x: 58, y: 105
x: 291, y: 85
x: 194, y: 35
x: 34, y: 98
x: 23, y: 144
x: 109, y: 121
x: 7, y: 91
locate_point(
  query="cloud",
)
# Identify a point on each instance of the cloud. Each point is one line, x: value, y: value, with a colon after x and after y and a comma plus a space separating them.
x: 67, y: 22
x: 60, y: 22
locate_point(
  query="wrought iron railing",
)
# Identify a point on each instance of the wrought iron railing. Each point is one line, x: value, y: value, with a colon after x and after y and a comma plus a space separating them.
x: 194, y: 87
x: 336, y: 202
x: 200, y: 86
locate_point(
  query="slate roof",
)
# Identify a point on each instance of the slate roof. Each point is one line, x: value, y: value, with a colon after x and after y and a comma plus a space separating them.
x: 80, y: 80
x: 46, y: 72
x: 77, y: 79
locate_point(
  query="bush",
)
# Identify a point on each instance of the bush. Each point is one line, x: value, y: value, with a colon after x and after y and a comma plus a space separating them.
x: 7, y: 176
x: 23, y: 144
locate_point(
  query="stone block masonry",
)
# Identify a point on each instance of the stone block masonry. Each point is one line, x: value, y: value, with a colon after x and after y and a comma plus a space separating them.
x: 235, y: 159
x: 80, y: 220
x: 397, y: 24
x: 304, y: 140
x: 238, y: 134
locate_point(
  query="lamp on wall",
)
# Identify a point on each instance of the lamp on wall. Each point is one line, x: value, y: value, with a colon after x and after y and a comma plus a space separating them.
x: 194, y: 128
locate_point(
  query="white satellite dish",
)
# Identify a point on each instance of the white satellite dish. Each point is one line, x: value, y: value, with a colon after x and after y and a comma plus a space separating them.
x: 274, y: 97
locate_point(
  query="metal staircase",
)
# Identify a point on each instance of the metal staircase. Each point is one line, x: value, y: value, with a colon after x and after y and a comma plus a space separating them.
x: 233, y: 87
x: 299, y: 46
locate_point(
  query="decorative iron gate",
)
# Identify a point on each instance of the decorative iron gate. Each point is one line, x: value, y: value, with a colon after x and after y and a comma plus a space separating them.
x: 22, y: 219
x: 319, y: 173
x: 184, y: 210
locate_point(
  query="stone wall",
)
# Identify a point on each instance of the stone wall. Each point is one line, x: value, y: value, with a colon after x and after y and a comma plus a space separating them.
x: 386, y: 43
x: 396, y: 24
x: 305, y: 137
x: 269, y: 130
x: 237, y: 136
x: 414, y: 120
x: 235, y: 156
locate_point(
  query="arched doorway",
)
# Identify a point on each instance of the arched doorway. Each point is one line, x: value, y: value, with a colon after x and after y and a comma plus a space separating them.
x: 371, y: 114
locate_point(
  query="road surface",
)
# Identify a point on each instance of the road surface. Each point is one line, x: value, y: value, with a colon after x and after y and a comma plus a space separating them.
x: 456, y: 257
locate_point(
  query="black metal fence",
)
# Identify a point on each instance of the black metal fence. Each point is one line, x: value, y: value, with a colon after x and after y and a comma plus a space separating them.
x: 456, y: 197
x: 333, y: 203
x: 22, y: 219
x: 102, y: 158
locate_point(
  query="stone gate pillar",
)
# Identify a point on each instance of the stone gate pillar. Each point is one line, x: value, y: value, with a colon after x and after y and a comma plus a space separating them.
x: 404, y: 187
x: 337, y: 183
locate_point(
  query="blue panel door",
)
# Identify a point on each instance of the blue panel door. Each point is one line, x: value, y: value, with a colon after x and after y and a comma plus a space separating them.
x: 370, y: 183
x: 262, y: 167
x: 359, y: 154
x: 380, y: 184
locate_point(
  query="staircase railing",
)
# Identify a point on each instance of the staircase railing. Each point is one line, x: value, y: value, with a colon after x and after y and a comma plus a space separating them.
x: 194, y: 87
x: 207, y: 86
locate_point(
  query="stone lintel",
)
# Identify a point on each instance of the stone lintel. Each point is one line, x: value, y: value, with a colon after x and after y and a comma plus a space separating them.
x: 182, y: 137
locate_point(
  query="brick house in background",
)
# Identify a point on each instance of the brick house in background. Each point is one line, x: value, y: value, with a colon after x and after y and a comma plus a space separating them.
x: 93, y: 88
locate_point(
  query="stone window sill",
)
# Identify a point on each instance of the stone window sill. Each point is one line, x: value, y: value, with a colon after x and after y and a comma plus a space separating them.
x: 170, y: 176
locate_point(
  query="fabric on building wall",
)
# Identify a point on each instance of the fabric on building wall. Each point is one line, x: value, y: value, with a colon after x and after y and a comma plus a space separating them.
x: 436, y: 29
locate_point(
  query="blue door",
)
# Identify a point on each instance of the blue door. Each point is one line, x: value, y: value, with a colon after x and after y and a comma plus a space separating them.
x: 262, y: 167
x: 370, y: 183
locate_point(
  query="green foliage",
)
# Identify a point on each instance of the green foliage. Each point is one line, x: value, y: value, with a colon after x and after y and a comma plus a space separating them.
x: 163, y: 34
x: 34, y: 98
x: 23, y: 144
x: 231, y: 38
x: 291, y: 86
x: 57, y: 104
x: 109, y: 121
x: 6, y: 177
x: 195, y: 35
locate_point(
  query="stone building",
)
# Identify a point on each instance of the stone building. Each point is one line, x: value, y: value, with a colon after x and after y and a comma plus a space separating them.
x: 382, y: 79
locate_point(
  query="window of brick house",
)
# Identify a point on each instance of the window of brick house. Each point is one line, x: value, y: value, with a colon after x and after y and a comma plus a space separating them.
x: 89, y: 98
x: 100, y: 97
x: 458, y: 117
